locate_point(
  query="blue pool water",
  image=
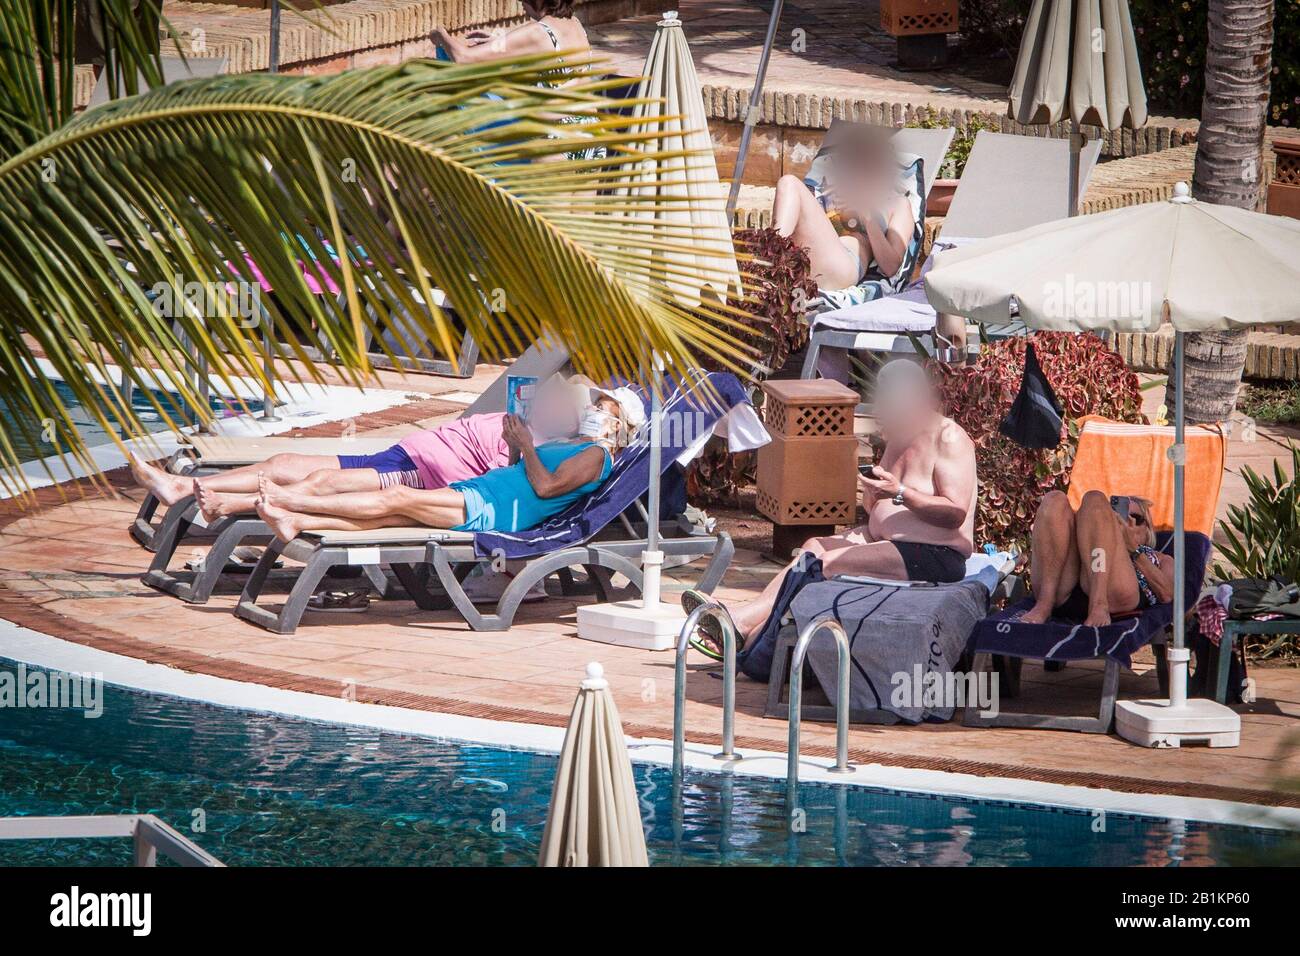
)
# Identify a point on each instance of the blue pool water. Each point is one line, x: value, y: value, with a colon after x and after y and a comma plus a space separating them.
x: 276, y: 791
x: 88, y: 427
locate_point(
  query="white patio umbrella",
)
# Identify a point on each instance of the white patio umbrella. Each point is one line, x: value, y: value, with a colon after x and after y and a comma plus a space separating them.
x: 594, y: 818
x: 1197, y: 266
x: 1078, y: 61
x: 684, y: 186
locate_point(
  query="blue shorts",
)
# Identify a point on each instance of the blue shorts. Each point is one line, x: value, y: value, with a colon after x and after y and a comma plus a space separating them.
x: 479, y: 515
x: 394, y: 465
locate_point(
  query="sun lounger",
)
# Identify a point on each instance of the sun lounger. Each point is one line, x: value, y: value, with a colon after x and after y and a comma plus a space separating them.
x: 1010, y: 182
x: 1113, y: 458
x: 182, y: 519
x: 920, y: 153
x: 206, y: 454
x: 595, y: 534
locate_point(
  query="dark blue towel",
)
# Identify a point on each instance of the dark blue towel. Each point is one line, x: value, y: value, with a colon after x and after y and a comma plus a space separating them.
x: 686, y: 414
x: 1001, y: 633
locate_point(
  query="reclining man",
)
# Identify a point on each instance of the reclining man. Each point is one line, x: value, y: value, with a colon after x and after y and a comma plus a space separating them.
x: 539, y: 483
x: 427, y: 459
x: 919, y: 500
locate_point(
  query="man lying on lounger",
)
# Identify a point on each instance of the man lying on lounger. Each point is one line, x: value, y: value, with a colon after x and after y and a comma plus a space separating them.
x: 919, y: 500
x: 540, y: 482
x: 428, y: 459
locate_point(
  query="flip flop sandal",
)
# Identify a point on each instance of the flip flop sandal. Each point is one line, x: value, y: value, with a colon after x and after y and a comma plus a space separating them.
x: 340, y: 601
x: 707, y: 639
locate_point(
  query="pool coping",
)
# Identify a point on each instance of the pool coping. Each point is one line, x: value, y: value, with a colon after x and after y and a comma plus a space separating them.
x: 29, y: 646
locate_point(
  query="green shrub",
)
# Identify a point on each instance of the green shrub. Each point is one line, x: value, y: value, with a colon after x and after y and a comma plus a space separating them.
x: 954, y: 161
x: 781, y: 273
x: 1171, y: 48
x: 1089, y: 378
x: 1263, y: 536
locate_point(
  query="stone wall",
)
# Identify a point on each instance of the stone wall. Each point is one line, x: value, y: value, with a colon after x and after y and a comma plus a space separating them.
x: 791, y: 126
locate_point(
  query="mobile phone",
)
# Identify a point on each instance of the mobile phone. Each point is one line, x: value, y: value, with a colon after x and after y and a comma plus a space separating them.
x: 1121, y: 506
x: 867, y: 470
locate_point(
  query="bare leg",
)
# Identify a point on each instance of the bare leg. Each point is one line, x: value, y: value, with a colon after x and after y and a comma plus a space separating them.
x: 282, y: 469
x: 287, y: 525
x: 1054, y: 555
x: 1105, y: 572
x: 750, y: 615
x: 163, y: 485
x: 215, y: 504
x: 437, y: 508
x: 797, y: 213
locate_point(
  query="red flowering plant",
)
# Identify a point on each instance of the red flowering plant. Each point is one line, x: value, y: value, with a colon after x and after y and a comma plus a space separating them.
x: 780, y: 274
x: 1089, y: 378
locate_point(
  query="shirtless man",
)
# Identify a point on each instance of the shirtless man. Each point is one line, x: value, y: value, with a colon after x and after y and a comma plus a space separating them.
x: 920, y: 502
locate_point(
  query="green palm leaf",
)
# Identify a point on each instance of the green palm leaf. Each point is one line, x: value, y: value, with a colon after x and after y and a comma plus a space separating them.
x: 394, y: 181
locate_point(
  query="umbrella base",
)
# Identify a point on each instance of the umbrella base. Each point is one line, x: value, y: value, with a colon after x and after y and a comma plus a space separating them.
x: 632, y: 624
x: 1157, y: 723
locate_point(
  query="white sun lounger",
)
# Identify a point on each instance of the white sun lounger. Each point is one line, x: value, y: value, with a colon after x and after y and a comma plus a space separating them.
x: 1010, y: 182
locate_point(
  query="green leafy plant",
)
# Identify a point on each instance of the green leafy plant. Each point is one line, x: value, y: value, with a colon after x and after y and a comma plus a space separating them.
x: 391, y: 181
x: 1171, y: 40
x: 773, y: 326
x: 1089, y: 378
x: 954, y: 161
x: 1262, y: 537
x: 1277, y: 402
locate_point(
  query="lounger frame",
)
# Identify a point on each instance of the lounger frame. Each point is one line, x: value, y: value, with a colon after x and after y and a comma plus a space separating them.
x: 447, y: 558
x: 1008, y: 669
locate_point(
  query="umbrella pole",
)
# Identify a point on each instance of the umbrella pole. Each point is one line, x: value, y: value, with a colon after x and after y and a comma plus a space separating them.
x: 1076, y: 147
x: 751, y: 113
x: 652, y: 558
x: 1178, y: 654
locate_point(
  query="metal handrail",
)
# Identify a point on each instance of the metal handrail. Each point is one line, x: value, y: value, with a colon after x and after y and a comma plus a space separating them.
x: 151, y: 835
x: 715, y: 611
x: 842, y: 764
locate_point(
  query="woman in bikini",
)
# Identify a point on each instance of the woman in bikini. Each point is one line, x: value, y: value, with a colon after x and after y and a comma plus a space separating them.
x: 869, y: 203
x: 551, y: 27
x: 1089, y: 565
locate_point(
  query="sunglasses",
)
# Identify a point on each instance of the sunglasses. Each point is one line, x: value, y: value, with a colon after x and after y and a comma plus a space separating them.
x: 1139, y: 520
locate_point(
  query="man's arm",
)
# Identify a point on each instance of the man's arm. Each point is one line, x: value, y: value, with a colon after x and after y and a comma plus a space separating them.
x: 584, y: 467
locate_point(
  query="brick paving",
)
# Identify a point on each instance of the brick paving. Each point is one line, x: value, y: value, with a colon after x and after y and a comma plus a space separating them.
x: 70, y: 569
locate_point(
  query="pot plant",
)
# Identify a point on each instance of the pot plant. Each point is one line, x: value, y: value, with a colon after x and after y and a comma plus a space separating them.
x: 954, y: 162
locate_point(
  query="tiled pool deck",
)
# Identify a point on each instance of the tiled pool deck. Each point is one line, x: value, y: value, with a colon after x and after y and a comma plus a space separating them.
x: 71, y: 570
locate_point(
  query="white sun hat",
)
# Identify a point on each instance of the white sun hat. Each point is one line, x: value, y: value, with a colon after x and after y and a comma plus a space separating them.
x: 628, y: 400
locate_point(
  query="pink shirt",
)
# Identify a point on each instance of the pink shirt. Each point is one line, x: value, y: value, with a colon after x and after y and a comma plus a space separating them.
x: 459, y: 450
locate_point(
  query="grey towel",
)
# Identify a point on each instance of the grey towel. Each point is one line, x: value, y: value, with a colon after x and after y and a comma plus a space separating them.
x: 898, y: 635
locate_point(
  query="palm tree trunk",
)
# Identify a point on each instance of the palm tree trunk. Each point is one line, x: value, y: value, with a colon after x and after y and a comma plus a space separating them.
x: 1229, y: 157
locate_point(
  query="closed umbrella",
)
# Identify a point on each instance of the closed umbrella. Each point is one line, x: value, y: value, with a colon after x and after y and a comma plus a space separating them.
x: 594, y: 818
x: 680, y: 186
x: 1078, y: 61
x: 683, y: 180
x: 1197, y: 266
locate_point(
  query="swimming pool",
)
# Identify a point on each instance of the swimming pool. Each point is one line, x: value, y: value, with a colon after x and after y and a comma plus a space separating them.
x: 270, y: 790
x: 88, y: 426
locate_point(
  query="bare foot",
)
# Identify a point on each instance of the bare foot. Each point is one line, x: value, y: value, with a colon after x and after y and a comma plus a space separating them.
x: 1097, y: 617
x: 1038, y: 614
x: 284, y: 524
x: 219, y: 504
x: 168, y: 489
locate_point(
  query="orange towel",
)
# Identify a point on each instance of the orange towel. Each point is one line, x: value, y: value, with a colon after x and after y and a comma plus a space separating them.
x: 1119, y: 459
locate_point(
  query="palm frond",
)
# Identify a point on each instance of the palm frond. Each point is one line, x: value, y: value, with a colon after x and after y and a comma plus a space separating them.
x: 386, y: 183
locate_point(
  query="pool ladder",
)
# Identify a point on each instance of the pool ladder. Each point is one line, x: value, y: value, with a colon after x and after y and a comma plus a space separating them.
x: 828, y: 624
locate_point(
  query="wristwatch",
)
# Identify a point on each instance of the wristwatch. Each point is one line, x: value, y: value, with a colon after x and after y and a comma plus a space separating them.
x: 898, y: 498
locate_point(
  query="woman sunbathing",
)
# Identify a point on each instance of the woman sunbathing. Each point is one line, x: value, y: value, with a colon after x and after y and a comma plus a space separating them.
x: 429, y: 458
x: 867, y: 201
x: 1090, y: 565
x: 541, y: 482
